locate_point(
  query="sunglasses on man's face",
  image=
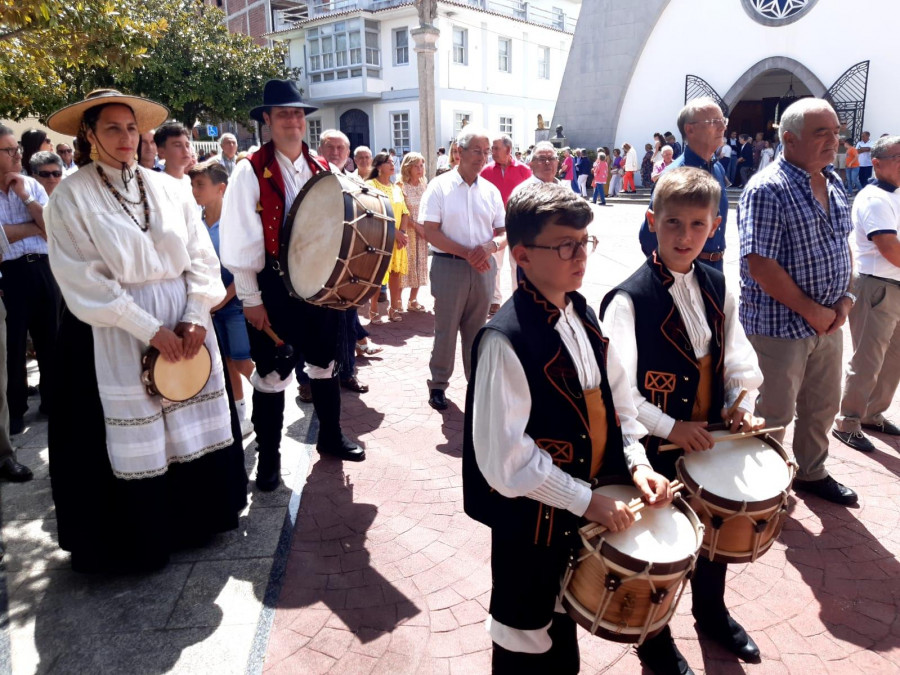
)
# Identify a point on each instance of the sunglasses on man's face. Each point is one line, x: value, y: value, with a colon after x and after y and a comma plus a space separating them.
x: 50, y: 174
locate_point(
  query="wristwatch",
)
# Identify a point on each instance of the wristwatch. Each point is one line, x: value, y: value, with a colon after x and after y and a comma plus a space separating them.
x: 29, y: 200
x: 848, y: 294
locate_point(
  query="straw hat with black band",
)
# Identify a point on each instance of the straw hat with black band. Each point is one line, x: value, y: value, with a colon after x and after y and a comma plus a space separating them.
x: 70, y: 121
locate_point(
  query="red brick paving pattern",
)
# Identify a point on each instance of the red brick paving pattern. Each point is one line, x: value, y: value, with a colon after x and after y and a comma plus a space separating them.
x: 388, y: 576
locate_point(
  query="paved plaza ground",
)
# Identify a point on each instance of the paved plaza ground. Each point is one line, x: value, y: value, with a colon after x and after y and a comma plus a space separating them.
x: 373, y: 568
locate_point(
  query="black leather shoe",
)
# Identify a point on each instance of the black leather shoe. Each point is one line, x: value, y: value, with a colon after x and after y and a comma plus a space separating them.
x: 268, y: 470
x: 828, y: 489
x: 32, y: 391
x: 353, y: 384
x: 16, y: 425
x: 14, y: 472
x: 854, y: 439
x: 437, y: 400
x: 732, y: 636
x: 886, y: 427
x: 343, y: 448
x: 661, y: 657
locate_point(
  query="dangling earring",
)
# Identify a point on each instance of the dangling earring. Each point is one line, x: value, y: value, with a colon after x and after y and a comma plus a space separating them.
x: 94, y: 154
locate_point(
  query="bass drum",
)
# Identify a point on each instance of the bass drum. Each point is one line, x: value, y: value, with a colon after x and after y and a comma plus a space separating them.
x: 337, y: 242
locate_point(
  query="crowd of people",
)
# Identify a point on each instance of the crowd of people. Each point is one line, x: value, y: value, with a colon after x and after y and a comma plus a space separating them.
x: 131, y: 244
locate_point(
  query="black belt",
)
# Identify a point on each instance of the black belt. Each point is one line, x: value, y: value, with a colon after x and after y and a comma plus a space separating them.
x: 28, y: 257
x: 446, y: 255
x: 892, y: 282
x: 714, y: 256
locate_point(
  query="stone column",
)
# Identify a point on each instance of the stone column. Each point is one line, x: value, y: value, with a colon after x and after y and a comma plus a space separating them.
x: 425, y: 38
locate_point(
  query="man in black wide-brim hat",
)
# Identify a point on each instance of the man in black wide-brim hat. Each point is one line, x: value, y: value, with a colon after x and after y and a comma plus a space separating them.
x: 259, y: 195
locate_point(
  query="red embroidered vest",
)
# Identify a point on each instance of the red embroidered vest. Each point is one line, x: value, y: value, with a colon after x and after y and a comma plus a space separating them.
x: 271, y: 206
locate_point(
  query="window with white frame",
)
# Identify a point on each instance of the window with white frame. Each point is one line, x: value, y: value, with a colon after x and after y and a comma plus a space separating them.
x: 400, y: 132
x: 314, y: 129
x: 460, y: 46
x: 401, y: 46
x: 504, y: 55
x: 335, y: 50
x: 460, y: 120
x: 543, y: 69
x: 506, y: 125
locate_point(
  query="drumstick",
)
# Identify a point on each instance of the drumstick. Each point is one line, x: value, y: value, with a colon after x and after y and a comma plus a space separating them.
x: 635, y: 506
x: 272, y: 334
x: 727, y: 437
x: 734, y: 406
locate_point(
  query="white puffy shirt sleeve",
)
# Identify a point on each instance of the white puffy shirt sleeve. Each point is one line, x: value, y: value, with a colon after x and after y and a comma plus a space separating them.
x: 508, y: 458
x: 204, y: 277
x: 87, y: 284
x: 241, y: 241
x: 741, y: 364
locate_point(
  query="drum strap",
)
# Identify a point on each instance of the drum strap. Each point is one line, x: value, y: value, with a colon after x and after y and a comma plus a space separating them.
x: 703, y: 401
x: 596, y: 410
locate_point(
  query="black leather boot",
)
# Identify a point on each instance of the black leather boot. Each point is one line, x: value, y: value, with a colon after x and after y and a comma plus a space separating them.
x: 331, y: 441
x: 268, y: 418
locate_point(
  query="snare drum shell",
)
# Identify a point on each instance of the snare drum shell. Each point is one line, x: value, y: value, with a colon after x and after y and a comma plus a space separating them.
x: 736, y: 536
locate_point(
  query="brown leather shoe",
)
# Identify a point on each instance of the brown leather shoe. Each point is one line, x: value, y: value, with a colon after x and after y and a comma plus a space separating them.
x: 353, y: 384
x: 304, y: 392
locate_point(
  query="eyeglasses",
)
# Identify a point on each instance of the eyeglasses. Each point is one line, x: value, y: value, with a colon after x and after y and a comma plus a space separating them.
x: 50, y: 174
x: 65, y: 152
x: 717, y: 122
x: 566, y: 250
x: 12, y: 152
x: 544, y: 160
x: 480, y: 153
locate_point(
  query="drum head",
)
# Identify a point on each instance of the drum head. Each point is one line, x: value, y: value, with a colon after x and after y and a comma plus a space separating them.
x: 659, y: 535
x: 742, y: 470
x: 316, y: 232
x: 183, y: 380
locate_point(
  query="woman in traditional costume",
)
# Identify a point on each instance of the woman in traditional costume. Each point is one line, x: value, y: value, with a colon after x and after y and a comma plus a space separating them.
x: 134, y: 475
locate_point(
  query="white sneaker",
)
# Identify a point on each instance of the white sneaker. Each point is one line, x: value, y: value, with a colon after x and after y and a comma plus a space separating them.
x: 246, y: 428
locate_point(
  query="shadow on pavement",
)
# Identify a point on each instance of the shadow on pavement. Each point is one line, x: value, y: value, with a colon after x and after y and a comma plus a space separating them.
x: 329, y: 568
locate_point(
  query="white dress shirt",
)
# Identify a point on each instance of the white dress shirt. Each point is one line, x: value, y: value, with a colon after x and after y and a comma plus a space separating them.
x: 240, y: 227
x: 14, y: 212
x: 507, y: 456
x: 741, y: 368
x: 468, y: 214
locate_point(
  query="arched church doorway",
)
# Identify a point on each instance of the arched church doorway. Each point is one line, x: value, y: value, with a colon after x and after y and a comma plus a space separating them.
x: 355, y: 123
x: 763, y: 102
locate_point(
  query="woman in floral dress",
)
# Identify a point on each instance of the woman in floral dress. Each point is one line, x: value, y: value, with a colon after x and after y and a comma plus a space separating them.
x: 412, y: 183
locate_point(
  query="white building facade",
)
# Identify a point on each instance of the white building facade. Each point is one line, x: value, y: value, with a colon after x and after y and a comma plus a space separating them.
x: 632, y: 66
x: 499, y: 64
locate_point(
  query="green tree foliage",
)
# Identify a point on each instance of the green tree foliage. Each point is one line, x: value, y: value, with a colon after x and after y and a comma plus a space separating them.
x: 43, y: 43
x: 177, y: 52
x: 201, y: 71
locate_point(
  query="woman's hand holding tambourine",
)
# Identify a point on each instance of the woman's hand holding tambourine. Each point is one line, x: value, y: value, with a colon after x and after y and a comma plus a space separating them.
x: 170, y: 346
x: 193, y: 337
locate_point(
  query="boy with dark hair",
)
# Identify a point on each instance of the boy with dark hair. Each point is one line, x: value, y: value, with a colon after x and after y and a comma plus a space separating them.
x: 173, y: 146
x: 208, y: 182
x: 527, y: 464
x: 675, y: 325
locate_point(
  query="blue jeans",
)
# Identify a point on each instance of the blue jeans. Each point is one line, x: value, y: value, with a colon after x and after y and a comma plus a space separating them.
x: 598, y: 190
x: 853, y: 179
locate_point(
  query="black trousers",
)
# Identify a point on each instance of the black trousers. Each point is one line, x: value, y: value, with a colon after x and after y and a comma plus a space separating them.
x: 33, y: 304
x: 315, y: 333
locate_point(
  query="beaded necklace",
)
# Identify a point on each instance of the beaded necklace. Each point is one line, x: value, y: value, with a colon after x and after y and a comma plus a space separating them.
x: 124, y: 201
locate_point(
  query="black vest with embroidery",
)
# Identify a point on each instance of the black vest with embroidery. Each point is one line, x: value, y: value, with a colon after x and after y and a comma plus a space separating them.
x: 558, y: 421
x: 668, y: 372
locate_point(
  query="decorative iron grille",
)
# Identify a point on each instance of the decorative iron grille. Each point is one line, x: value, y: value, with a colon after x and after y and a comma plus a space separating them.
x: 697, y: 87
x: 848, y: 97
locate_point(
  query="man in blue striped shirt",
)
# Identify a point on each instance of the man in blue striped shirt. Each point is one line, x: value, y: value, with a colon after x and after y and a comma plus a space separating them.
x: 794, y: 223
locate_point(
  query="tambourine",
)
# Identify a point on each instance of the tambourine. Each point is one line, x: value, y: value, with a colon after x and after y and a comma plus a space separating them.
x: 175, y: 381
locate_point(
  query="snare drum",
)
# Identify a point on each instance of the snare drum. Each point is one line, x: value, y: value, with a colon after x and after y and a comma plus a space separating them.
x: 626, y: 585
x: 739, y: 488
x: 175, y: 381
x: 337, y: 242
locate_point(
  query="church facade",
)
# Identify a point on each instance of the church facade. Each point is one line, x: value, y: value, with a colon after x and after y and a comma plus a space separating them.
x: 632, y: 66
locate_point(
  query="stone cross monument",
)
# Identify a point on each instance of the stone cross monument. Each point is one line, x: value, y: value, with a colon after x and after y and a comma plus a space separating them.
x: 425, y: 37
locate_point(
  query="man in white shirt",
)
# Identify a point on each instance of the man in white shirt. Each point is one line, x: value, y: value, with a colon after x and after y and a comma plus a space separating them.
x: 228, y: 157
x: 362, y: 157
x: 544, y: 165
x: 30, y: 293
x: 64, y: 150
x: 874, y: 369
x: 864, y: 147
x: 464, y: 223
x: 259, y: 195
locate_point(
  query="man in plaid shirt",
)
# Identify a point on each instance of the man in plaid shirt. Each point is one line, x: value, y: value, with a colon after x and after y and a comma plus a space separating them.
x: 794, y: 223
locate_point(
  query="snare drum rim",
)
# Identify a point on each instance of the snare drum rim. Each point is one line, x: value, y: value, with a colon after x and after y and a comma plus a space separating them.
x: 761, y: 506
x: 621, y: 559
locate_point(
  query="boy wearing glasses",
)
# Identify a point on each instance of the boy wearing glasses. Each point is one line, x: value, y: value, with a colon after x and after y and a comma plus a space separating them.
x: 547, y: 409
x: 687, y: 360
